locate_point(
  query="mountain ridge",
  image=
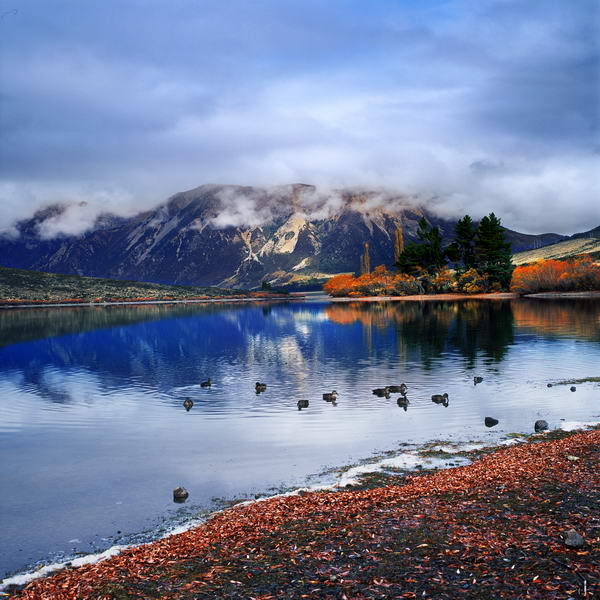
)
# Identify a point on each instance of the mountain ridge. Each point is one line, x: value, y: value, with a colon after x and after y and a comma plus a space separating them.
x: 234, y: 236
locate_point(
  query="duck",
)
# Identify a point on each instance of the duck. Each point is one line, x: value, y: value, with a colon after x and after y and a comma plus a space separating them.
x: 302, y: 404
x: 440, y: 399
x: 330, y: 396
x: 382, y: 392
x: 395, y: 389
x: 260, y: 387
x: 188, y: 403
x: 477, y: 380
x: 206, y: 383
x: 403, y: 402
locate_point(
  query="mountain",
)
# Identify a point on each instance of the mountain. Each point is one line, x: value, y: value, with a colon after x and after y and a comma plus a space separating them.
x: 233, y: 236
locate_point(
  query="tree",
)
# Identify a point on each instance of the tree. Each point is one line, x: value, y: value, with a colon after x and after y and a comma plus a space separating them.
x: 398, y: 243
x: 365, y: 261
x: 463, y: 248
x: 426, y: 255
x: 493, y: 256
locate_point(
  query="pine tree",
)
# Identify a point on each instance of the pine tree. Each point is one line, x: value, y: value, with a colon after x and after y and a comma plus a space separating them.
x: 398, y: 243
x: 365, y: 261
x: 425, y: 256
x: 493, y: 256
x: 462, y: 249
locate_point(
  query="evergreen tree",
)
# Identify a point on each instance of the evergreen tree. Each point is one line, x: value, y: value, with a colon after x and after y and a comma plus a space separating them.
x: 464, y: 242
x: 426, y: 255
x: 493, y: 256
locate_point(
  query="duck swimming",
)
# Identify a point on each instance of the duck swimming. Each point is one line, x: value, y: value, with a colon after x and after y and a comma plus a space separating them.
x: 382, y: 392
x: 260, y: 387
x: 188, y: 403
x: 206, y: 383
x: 302, y: 404
x: 477, y: 380
x: 398, y: 389
x: 403, y: 402
x: 330, y: 396
x: 440, y: 399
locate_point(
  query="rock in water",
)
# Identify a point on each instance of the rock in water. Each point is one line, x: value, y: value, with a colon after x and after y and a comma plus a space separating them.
x: 548, y: 385
x: 573, y: 539
x: 180, y: 494
x: 540, y: 425
x: 573, y: 388
x: 491, y: 422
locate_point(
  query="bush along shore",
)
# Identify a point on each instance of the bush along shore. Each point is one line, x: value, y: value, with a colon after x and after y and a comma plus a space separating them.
x: 521, y: 522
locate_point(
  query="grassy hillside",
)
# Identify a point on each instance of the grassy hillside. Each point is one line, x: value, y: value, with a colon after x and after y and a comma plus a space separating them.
x: 561, y: 250
x: 22, y: 285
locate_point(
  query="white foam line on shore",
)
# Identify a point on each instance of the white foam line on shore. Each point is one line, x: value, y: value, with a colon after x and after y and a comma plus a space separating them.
x: 573, y: 425
x: 89, y: 559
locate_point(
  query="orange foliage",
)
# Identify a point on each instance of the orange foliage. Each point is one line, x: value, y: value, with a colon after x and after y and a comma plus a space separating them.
x: 380, y: 282
x: 580, y: 274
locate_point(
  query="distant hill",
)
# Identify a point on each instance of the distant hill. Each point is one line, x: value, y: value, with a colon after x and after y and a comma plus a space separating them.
x: 577, y: 244
x: 19, y: 284
x: 233, y: 236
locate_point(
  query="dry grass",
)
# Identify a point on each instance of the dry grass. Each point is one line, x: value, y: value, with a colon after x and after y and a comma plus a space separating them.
x: 561, y: 250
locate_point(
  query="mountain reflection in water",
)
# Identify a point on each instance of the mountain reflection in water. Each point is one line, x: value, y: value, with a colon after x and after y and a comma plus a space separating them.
x: 94, y: 433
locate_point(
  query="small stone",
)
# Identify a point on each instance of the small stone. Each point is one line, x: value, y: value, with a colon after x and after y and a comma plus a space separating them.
x: 573, y: 539
x: 491, y: 422
x: 573, y: 388
x: 540, y: 425
x: 548, y: 385
x: 180, y: 494
x: 332, y: 578
x: 573, y: 458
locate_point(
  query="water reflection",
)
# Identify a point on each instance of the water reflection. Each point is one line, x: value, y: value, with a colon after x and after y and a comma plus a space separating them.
x: 103, y: 412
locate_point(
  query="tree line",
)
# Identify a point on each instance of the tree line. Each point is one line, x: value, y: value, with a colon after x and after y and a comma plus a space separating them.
x: 480, y: 248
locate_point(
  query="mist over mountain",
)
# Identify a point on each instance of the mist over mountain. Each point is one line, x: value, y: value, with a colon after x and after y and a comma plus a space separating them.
x: 231, y: 236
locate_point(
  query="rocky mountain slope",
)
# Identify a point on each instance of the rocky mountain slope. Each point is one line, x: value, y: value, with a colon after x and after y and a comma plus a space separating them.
x: 233, y: 236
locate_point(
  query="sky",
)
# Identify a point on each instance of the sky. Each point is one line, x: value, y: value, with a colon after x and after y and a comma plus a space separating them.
x: 483, y: 104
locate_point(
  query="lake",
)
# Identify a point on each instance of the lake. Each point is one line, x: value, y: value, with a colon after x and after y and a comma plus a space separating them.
x: 94, y: 435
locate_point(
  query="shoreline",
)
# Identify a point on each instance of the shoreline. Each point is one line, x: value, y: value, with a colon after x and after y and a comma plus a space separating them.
x: 301, y: 296
x: 451, y: 297
x: 249, y: 526
x: 87, y: 304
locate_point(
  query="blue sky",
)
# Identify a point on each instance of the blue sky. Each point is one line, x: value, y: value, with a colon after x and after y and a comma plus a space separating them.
x: 487, y: 104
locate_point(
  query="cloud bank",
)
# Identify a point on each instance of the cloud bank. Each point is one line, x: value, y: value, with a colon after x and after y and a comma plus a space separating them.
x: 483, y: 104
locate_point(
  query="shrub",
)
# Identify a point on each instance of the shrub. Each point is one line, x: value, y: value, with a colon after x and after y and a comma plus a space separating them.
x: 472, y: 282
x: 443, y: 281
x: 580, y: 274
x: 380, y: 282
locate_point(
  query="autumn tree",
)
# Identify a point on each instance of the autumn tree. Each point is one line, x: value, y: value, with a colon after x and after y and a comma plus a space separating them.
x: 398, y: 243
x: 365, y: 261
x: 493, y: 256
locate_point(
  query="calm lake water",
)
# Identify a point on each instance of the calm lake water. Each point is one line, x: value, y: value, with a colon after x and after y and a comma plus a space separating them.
x: 94, y: 436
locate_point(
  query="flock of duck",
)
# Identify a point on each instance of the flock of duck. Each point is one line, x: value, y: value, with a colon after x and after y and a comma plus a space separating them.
x: 384, y: 392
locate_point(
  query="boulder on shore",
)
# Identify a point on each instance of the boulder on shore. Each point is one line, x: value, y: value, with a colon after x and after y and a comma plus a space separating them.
x: 540, y: 425
x: 573, y: 539
x: 491, y: 422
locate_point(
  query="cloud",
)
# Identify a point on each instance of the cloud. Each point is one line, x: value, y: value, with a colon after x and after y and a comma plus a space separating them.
x: 484, y: 104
